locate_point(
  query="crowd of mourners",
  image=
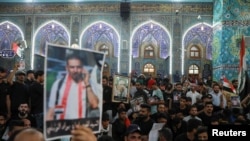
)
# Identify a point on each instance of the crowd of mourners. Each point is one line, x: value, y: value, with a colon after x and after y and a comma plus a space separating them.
x: 185, y: 108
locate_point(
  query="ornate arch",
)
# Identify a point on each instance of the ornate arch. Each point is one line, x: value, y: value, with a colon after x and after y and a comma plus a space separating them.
x: 100, y: 32
x: 9, y: 33
x: 51, y: 32
x: 151, y: 32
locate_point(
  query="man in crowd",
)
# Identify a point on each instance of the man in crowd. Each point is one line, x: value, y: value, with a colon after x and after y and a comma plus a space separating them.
x: 3, y: 90
x: 18, y: 92
x: 144, y: 121
x: 133, y: 133
x: 37, y: 98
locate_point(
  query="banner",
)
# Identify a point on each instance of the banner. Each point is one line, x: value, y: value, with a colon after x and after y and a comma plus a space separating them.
x: 73, y: 90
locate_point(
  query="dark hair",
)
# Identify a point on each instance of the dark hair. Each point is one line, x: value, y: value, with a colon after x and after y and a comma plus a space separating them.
x: 165, y: 105
x: 4, y: 115
x: 208, y: 103
x: 234, y: 80
x: 105, y: 116
x: 191, y: 107
x: 29, y: 72
x: 201, y: 129
x: 24, y: 103
x: 14, y: 123
x: 2, y: 69
x: 188, y: 99
x: 105, y: 77
x: 167, y: 133
x: 183, y: 97
x: 121, y: 110
x: 175, y: 121
x: 216, y: 84
x: 161, y: 115
x: 73, y: 56
x: 13, y: 136
x: 178, y: 83
x: 193, y: 124
x: 39, y: 73
x: 105, y: 138
x: 148, y: 107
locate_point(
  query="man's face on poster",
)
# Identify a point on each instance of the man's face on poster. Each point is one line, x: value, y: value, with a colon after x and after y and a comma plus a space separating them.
x: 74, y: 68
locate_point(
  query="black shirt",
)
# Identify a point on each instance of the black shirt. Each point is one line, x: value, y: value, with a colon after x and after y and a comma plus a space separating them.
x: 3, y: 93
x: 36, y: 98
x: 19, y: 94
x: 144, y: 126
x: 107, y: 97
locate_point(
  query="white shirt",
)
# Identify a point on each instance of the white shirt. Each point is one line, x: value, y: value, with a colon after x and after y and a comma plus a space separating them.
x: 72, y: 100
x: 194, y: 96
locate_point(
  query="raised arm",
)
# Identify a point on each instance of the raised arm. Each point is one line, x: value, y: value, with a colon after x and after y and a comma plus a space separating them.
x: 11, y: 75
x: 92, y: 97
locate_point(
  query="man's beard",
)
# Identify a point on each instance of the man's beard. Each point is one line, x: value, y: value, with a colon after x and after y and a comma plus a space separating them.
x: 23, y: 114
x: 77, y: 77
x: 2, y: 126
x: 216, y: 92
x: 142, y: 117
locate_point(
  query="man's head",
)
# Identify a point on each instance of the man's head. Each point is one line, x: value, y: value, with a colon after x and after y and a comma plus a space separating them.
x: 154, y: 85
x: 161, y: 108
x: 178, y: 86
x: 20, y: 76
x: 122, y: 114
x: 27, y: 134
x: 30, y: 75
x: 193, y: 87
x: 235, y: 83
x: 144, y: 112
x: 3, y: 119
x: 121, y: 105
x: 207, y: 98
x: 183, y: 100
x: 105, y: 81
x: 27, y: 122
x: 162, y: 118
x: 15, y: 125
x: 208, y: 107
x: 165, y: 134
x: 23, y: 109
x: 74, y: 67
x: 193, y: 124
x: 193, y: 110
x: 202, y: 133
x: 138, y: 85
x: 216, y: 88
x: 39, y: 76
x: 133, y: 133
x: 188, y: 101
x: 105, y: 120
x: 3, y: 73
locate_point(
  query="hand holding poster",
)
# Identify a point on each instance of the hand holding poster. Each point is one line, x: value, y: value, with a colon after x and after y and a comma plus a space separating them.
x: 121, y: 86
x: 73, y: 92
x: 154, y: 132
x: 235, y: 102
x: 136, y: 103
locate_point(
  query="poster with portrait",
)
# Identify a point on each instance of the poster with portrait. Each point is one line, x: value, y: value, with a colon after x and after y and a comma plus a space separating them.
x: 121, y: 86
x: 73, y: 90
x: 136, y: 103
x: 235, y: 102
